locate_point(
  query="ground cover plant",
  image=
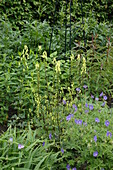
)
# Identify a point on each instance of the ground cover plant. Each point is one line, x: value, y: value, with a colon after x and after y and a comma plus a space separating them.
x: 83, y: 140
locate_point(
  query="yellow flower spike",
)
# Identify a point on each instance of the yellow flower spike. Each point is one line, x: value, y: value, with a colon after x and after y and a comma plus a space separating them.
x: 26, y: 51
x: 45, y: 96
x: 44, y: 55
x: 69, y: 89
x: 48, y: 83
x: 25, y: 47
x: 64, y: 98
x: 72, y: 57
x: 54, y: 61
x: 78, y: 58
x: 83, y: 69
x: 30, y: 110
x: 37, y: 65
x: 72, y: 85
x: 79, y: 105
x: 57, y: 67
x: 39, y: 48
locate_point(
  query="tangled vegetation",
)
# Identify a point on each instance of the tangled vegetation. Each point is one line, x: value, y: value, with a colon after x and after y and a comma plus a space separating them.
x: 57, y: 106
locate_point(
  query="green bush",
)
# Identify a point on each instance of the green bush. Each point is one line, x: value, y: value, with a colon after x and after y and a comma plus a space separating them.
x: 18, y: 11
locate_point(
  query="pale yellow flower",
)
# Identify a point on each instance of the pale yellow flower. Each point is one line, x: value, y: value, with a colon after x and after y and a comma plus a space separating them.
x: 83, y: 69
x: 78, y: 58
x: 39, y: 47
x: 37, y: 65
x: 44, y: 55
x: 72, y: 57
x: 57, y: 67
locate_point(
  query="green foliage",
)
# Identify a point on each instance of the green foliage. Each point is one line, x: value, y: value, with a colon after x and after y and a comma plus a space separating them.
x: 85, y: 132
x: 32, y: 155
x: 18, y: 11
x: 30, y: 80
x: 48, y: 92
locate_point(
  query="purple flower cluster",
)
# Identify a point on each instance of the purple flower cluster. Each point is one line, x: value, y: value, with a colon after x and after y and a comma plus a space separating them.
x: 78, y: 89
x: 68, y: 118
x: 62, y: 150
x: 86, y: 105
x: 68, y: 167
x: 75, y: 107
x: 92, y: 96
x: 43, y: 144
x: 103, y: 104
x: 97, y: 120
x: 11, y: 139
x: 50, y: 136
x: 78, y: 121
x: 64, y: 102
x: 107, y: 123
x: 85, y: 86
x: 20, y: 146
x: 96, y: 98
x: 108, y: 134
x: 84, y: 123
x: 105, y: 97
x: 95, y: 138
x: 101, y: 94
x: 90, y: 106
x: 95, y: 154
x: 86, y: 111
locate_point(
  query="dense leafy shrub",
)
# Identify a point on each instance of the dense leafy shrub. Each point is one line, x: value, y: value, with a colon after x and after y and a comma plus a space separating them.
x: 18, y: 11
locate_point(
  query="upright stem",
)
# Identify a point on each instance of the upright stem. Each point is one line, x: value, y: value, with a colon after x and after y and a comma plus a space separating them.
x: 66, y: 26
x: 70, y: 44
x: 58, y: 103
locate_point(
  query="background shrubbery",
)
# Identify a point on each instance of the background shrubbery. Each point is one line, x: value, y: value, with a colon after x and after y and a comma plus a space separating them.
x: 18, y: 11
